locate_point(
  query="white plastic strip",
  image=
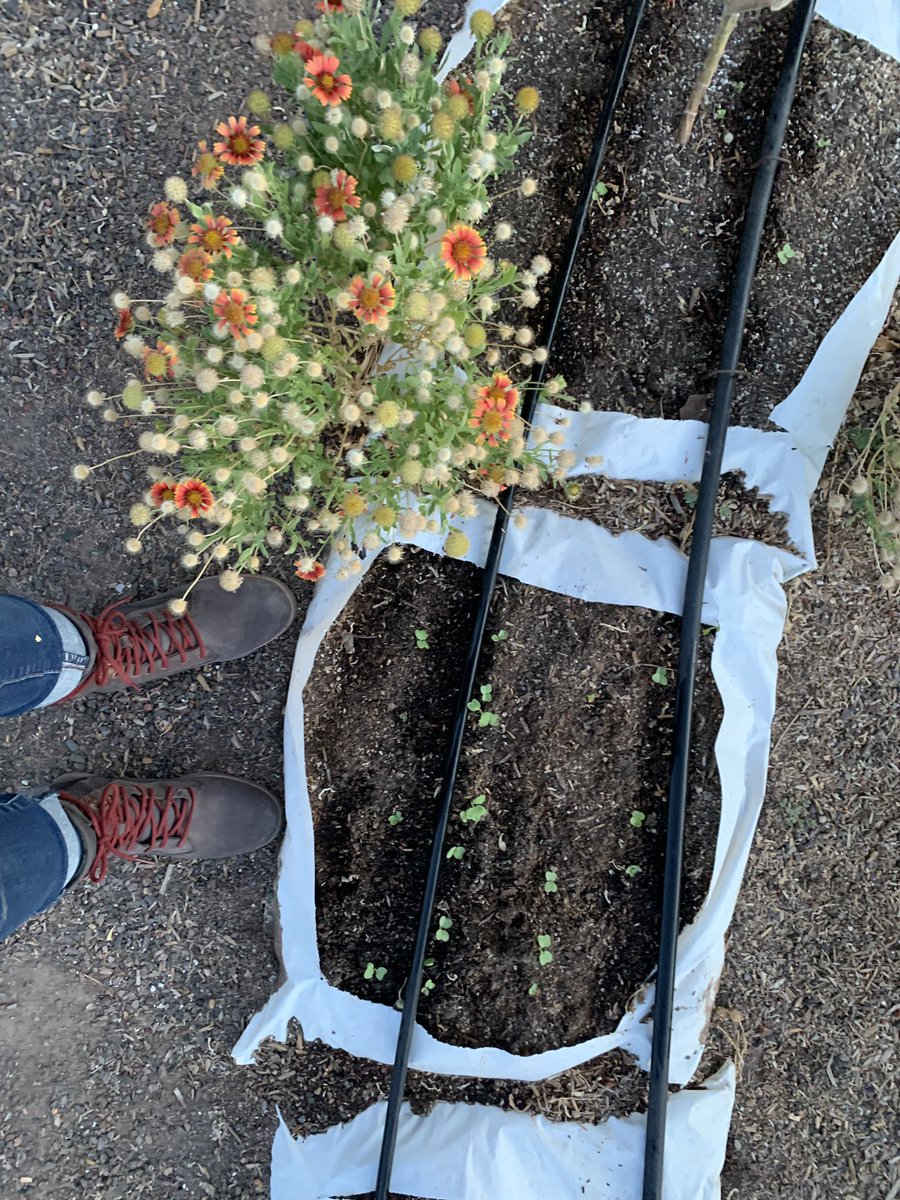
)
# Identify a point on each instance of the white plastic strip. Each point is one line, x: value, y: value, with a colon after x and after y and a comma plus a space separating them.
x: 470, y: 1152
x: 877, y: 21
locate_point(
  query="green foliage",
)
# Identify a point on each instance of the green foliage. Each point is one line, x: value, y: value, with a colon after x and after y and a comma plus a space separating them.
x: 456, y: 852
x: 786, y: 253
x: 637, y: 818
x: 500, y: 636
x: 660, y: 676
x: 475, y: 811
x: 396, y: 817
x: 485, y: 717
x: 633, y: 870
x: 442, y: 933
x: 422, y: 640
x: 428, y: 987
x: 373, y: 972
x: 545, y: 954
x: 550, y: 882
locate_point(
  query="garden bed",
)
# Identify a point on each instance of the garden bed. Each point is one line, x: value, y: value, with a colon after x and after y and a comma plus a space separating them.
x: 642, y: 328
x: 581, y: 745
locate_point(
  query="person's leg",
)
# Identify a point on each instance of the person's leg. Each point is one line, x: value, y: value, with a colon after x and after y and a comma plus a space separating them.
x: 42, y: 656
x: 52, y: 841
x: 48, y: 654
x: 40, y: 851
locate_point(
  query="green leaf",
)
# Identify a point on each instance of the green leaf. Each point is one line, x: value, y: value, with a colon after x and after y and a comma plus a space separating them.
x: 660, y: 676
x: 599, y: 192
x: 533, y: 990
x: 369, y: 971
x: 380, y: 973
x: 632, y: 871
x: 500, y: 636
x: 474, y: 706
x: 786, y: 253
x: 720, y: 113
x: 637, y: 818
x: 544, y: 940
x: 545, y: 957
x: 486, y: 690
x: 488, y: 718
x: 428, y: 986
x: 395, y: 818
x: 591, y: 697
x: 823, y: 142
x: 445, y: 923
x: 422, y: 640
x: 690, y: 497
x: 456, y: 852
x: 442, y: 935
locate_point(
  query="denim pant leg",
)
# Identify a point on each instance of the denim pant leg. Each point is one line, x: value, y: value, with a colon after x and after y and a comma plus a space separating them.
x: 33, y: 861
x: 31, y: 655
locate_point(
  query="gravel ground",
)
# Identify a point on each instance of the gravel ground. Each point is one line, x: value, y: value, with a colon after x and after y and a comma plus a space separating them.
x: 119, y: 1006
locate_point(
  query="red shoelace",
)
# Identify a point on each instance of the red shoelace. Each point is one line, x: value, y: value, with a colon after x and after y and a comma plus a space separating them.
x: 132, y: 819
x: 129, y: 648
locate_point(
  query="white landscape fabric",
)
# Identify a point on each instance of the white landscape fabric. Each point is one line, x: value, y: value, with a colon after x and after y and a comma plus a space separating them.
x: 469, y: 1152
x: 463, y: 1152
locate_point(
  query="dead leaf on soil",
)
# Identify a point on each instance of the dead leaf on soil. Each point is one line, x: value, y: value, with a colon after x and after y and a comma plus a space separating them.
x: 153, y: 9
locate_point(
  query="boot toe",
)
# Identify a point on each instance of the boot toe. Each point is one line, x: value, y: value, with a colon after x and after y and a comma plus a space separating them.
x: 231, y: 816
x: 237, y: 623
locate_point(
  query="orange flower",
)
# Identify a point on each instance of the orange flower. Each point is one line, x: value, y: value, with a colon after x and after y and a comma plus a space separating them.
x: 330, y: 6
x: 124, y: 324
x: 454, y: 88
x: 305, y: 50
x: 323, y: 81
x: 207, y: 166
x: 236, y: 312
x: 160, y: 360
x: 332, y: 199
x: 163, y: 223
x: 241, y: 145
x: 309, y: 569
x: 216, y: 235
x: 462, y: 251
x: 162, y: 492
x: 371, y: 299
x: 195, y: 495
x: 494, y: 410
x: 195, y: 264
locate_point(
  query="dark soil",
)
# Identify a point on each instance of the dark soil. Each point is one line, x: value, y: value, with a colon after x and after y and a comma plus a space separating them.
x: 666, y: 509
x: 582, y: 743
x: 643, y: 324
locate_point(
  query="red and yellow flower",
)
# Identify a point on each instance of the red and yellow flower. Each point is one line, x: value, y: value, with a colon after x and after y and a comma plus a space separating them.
x: 309, y: 569
x: 162, y: 492
x: 207, y: 167
x: 215, y: 235
x: 495, y: 407
x: 305, y: 50
x: 334, y: 198
x: 372, y: 298
x: 193, y: 494
x: 454, y: 88
x: 162, y: 223
x: 160, y: 360
x: 125, y: 323
x: 463, y: 251
x: 196, y: 264
x: 241, y: 145
x: 324, y: 82
x: 330, y: 6
x: 236, y: 312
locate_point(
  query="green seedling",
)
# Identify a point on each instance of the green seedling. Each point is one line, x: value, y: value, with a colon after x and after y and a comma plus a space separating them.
x: 485, y: 717
x: 591, y: 697
x: 637, y: 818
x: 660, y: 676
x: 633, y: 870
x: 690, y: 497
x: 500, y: 636
x: 600, y: 190
x: 428, y: 987
x: 785, y: 254
x: 373, y: 972
x: 739, y: 85
x: 395, y: 818
x: 422, y: 639
x: 456, y: 852
x: 545, y: 954
x: 533, y: 990
x: 475, y: 811
x: 720, y: 114
x: 442, y: 933
x: 550, y: 882
x: 823, y: 142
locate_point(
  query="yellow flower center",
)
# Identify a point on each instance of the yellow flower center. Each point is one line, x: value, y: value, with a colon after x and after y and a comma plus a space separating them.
x: 492, y: 422
x: 161, y: 224
x: 326, y: 81
x: 496, y: 395
x: 194, y: 498
x: 156, y: 363
x: 239, y: 144
x: 370, y: 298
x: 336, y: 198
x: 235, y: 313
x: 212, y: 239
x: 462, y: 252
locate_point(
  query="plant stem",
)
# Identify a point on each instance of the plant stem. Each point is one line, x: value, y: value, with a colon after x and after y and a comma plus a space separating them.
x: 727, y: 24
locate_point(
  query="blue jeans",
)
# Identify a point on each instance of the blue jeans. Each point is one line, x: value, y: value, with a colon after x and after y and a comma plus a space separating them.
x: 33, y: 861
x: 31, y: 656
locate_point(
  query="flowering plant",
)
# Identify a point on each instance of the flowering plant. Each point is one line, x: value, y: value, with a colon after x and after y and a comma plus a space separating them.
x: 327, y: 364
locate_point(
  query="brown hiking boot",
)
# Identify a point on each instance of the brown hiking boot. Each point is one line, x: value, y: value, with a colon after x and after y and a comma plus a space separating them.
x: 200, y: 816
x: 131, y: 644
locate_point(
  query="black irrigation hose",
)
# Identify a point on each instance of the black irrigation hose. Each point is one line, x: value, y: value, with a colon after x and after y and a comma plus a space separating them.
x: 751, y: 239
x: 489, y: 581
